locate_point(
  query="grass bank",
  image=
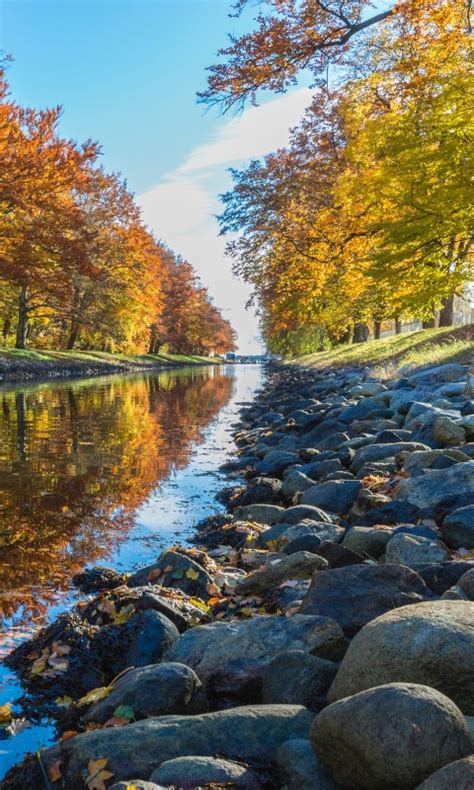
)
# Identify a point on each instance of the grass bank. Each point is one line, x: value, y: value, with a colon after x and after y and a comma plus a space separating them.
x: 20, y: 365
x: 399, y: 354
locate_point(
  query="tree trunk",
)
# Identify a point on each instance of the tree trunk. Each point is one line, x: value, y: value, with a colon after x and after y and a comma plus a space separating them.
x: 377, y: 329
x: 22, y: 328
x: 361, y: 333
x: 446, y: 314
x: 72, y: 336
x: 398, y: 326
x: 430, y: 323
x: 7, y: 325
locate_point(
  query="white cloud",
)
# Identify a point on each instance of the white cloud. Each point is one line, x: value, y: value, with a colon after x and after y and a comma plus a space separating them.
x: 181, y: 208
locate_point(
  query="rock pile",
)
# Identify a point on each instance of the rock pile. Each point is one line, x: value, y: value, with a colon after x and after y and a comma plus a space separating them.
x: 320, y: 635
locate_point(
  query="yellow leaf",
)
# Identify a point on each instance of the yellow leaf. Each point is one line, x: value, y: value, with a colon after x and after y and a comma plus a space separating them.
x: 64, y: 702
x: 5, y: 713
x: 199, y: 604
x: 126, y: 612
x: 190, y: 574
x: 94, y: 696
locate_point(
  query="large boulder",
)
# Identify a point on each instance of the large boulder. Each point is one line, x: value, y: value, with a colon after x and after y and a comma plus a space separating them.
x: 392, y: 736
x: 355, y: 594
x: 337, y: 496
x: 229, y: 657
x: 286, y: 567
x: 174, y: 569
x: 413, y: 550
x: 430, y: 643
x: 262, y: 514
x: 427, y: 490
x: 458, y: 528
x: 194, y: 772
x: 297, y: 513
x: 377, y: 452
x: 458, y: 775
x: 298, y: 678
x: 149, y: 691
x: 300, y: 769
x: 247, y: 733
x: 451, y: 371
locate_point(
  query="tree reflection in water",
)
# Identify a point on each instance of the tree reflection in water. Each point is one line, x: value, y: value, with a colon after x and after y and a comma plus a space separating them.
x: 77, y: 460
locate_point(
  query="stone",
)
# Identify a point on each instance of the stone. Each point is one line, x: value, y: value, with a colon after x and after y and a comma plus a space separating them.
x: 394, y: 512
x: 294, y: 483
x: 322, y: 431
x: 458, y: 528
x: 419, y: 462
x: 297, y: 513
x: 430, y: 643
x: 379, y: 452
x: 427, y: 490
x: 229, y: 657
x: 278, y: 570
x: 368, y: 541
x: 151, y: 691
x: 356, y: 594
x: 194, y: 772
x: 249, y: 733
x: 304, y: 542
x: 174, y: 569
x: 258, y: 490
x: 298, y: 678
x: 97, y: 578
x: 336, y: 496
x: 452, y: 371
x: 458, y: 775
x: 333, y: 441
x: 275, y: 462
x: 369, y: 408
x: 443, y: 575
x: 395, y: 735
x: 368, y: 388
x: 412, y: 550
x: 262, y: 514
x: 337, y: 555
x: 447, y: 431
x: 300, y: 769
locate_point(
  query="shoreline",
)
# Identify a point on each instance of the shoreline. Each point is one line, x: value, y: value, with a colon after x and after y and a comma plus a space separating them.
x: 343, y: 483
x: 37, y: 365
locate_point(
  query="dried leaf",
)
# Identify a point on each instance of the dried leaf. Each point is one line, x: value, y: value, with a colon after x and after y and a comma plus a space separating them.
x: 192, y: 574
x: 64, y: 702
x: 68, y: 734
x: 125, y: 711
x: 97, y: 774
x: 54, y: 771
x: 125, y: 613
x: 5, y: 713
x: 60, y: 649
x: 116, y: 721
x: 94, y: 696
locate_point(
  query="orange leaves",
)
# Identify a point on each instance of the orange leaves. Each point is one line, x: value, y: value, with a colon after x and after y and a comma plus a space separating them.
x: 97, y: 774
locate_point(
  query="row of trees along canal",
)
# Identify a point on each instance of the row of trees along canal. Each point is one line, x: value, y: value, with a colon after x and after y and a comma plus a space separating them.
x: 366, y: 216
x: 77, y: 265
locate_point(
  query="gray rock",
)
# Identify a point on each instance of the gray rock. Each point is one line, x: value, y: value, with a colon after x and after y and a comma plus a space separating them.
x: 417, y: 463
x: 300, y: 768
x: 394, y: 736
x: 458, y: 528
x: 368, y: 541
x: 337, y: 496
x: 262, y: 514
x: 151, y: 691
x: 452, y: 371
x: 231, y: 656
x: 447, y: 431
x: 275, y: 462
x: 298, y: 678
x: 356, y: 594
x: 430, y: 643
x: 293, y: 515
x: 171, y: 571
x: 294, y: 483
x: 429, y: 489
x: 443, y: 575
x: 368, y: 388
x: 247, y: 733
x: 412, y: 550
x: 458, y: 775
x: 467, y: 423
x: 379, y: 452
x: 279, y: 569
x: 463, y: 590
x: 194, y: 772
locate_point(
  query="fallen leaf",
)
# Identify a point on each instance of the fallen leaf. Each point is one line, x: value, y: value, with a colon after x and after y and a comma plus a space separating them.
x: 60, y: 649
x: 124, y: 614
x: 5, y: 713
x: 94, y: 696
x: 68, y: 734
x: 125, y: 711
x: 97, y: 774
x: 191, y: 574
x: 64, y: 702
x: 116, y: 721
x: 54, y: 771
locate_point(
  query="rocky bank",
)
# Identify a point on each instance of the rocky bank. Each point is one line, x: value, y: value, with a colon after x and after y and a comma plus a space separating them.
x: 321, y: 633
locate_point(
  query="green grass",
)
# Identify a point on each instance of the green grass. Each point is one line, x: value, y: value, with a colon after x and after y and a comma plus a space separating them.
x: 36, y: 355
x: 401, y: 353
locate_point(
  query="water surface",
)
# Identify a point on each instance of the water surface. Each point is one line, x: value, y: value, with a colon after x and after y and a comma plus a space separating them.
x: 108, y: 471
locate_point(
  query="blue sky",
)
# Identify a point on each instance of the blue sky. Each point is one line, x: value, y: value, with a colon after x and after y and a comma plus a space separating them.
x: 126, y: 73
